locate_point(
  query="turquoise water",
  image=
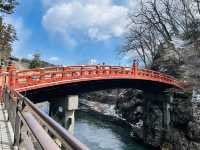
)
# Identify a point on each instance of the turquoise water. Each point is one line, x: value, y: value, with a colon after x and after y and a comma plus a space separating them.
x: 99, y: 134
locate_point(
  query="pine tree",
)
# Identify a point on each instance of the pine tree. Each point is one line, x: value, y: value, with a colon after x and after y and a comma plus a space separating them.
x: 7, y: 31
x: 36, y: 62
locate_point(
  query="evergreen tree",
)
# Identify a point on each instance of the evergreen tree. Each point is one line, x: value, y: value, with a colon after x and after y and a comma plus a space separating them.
x: 36, y: 62
x: 7, y: 31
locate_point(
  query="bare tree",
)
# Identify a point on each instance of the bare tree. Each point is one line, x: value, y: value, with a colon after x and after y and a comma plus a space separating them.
x: 157, y: 22
x: 198, y: 5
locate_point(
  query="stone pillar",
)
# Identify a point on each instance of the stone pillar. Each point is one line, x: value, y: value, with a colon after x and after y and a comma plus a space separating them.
x: 62, y: 109
x: 72, y: 105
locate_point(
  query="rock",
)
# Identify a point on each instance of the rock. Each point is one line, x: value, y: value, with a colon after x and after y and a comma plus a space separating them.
x: 194, y: 146
x: 182, y: 110
x: 104, y: 96
x: 196, y: 104
x: 196, y: 95
x: 193, y: 131
x: 153, y: 125
x: 146, y: 113
x: 130, y: 105
x: 178, y: 140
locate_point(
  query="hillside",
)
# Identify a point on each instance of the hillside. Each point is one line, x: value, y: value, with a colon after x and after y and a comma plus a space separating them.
x: 25, y: 63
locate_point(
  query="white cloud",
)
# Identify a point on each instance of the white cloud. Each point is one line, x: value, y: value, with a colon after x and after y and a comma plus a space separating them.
x: 98, y: 19
x: 92, y: 61
x: 133, y: 4
x: 130, y: 55
x: 54, y: 59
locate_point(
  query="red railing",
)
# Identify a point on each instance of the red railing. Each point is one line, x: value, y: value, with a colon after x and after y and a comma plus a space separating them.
x: 23, y: 80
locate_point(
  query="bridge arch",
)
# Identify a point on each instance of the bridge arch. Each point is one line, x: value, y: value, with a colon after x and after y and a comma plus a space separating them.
x: 44, y: 82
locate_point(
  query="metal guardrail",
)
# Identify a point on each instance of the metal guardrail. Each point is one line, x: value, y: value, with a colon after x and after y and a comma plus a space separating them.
x: 33, y: 129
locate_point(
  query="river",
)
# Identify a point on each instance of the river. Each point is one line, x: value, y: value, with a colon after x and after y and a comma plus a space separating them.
x: 100, y: 134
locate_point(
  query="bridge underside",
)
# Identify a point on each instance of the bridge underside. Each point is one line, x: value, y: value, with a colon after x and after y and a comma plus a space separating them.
x: 50, y: 92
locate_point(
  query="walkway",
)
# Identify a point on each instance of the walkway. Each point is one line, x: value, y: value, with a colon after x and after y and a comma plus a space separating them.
x: 6, y: 132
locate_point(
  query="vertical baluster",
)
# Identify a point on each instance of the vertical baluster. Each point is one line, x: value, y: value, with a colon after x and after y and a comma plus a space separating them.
x: 81, y: 72
x: 134, y: 69
x: 11, y: 75
x: 110, y: 70
x: 97, y: 70
x: 41, y: 78
x: 29, y: 81
x: 65, y: 72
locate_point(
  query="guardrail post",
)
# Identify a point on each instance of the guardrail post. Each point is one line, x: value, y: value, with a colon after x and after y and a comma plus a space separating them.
x: 18, y: 125
x: 11, y: 69
x: 72, y: 105
x: 1, y: 84
x: 134, y: 68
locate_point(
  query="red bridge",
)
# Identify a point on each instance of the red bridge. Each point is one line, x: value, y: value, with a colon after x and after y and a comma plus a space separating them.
x: 32, y: 79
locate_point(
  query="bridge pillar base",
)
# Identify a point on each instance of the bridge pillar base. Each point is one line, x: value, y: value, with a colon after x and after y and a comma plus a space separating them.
x: 72, y: 105
x: 167, y: 108
x: 157, y: 116
x: 62, y: 109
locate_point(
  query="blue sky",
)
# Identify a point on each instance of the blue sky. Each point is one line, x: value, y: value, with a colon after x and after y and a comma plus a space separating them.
x: 71, y: 32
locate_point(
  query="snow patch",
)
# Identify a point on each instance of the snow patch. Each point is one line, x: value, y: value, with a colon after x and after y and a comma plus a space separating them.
x: 178, y: 42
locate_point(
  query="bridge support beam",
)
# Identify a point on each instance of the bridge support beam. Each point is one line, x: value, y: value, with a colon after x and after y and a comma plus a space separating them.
x: 72, y: 105
x: 167, y: 108
x: 63, y: 110
x: 157, y: 116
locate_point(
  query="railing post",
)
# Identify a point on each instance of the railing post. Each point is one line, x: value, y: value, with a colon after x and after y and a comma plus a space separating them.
x: 18, y: 125
x: 97, y: 70
x: 134, y: 68
x: 1, y: 84
x: 81, y: 71
x: 11, y: 69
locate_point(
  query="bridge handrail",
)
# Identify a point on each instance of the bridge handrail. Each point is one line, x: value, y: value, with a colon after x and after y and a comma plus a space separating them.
x: 22, y: 110
x: 42, y: 137
x: 71, y: 67
x: 85, y: 68
x: 156, y: 72
x: 31, y: 77
x: 45, y: 71
x: 55, y: 127
x: 165, y: 76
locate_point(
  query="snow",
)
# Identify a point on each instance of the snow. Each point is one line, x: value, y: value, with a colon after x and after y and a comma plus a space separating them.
x: 106, y: 109
x: 178, y: 42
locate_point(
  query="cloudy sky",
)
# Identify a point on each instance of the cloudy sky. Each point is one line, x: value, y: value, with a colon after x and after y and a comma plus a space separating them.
x: 72, y: 32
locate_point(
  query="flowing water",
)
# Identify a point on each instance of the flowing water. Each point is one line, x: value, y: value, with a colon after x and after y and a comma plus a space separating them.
x: 100, y: 134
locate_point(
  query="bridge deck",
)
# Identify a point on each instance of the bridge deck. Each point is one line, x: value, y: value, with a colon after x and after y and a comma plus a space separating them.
x: 6, y: 132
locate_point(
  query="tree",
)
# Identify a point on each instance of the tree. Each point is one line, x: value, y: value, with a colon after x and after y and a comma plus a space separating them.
x: 7, y: 37
x: 156, y: 22
x: 7, y: 32
x: 7, y: 6
x: 36, y: 62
